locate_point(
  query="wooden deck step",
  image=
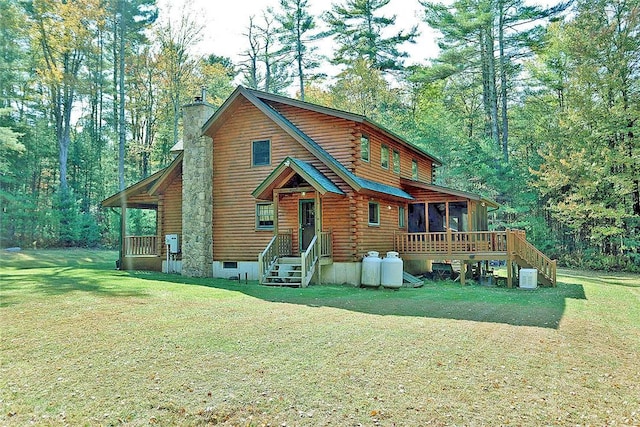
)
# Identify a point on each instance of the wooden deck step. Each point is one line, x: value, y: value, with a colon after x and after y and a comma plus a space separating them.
x: 286, y: 272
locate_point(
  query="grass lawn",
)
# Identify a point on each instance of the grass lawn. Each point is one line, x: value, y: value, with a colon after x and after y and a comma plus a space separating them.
x: 83, y: 344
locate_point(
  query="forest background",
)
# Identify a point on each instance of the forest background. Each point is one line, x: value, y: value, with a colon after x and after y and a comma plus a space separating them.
x: 535, y: 107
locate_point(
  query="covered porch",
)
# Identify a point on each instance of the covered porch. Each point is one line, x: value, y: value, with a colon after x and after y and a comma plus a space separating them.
x: 294, y: 194
x: 142, y: 209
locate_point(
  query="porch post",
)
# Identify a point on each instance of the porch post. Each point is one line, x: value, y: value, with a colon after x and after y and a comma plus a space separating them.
x: 276, y: 199
x: 123, y: 236
x: 159, y: 230
x: 446, y: 225
x: 318, y: 214
x: 509, y: 259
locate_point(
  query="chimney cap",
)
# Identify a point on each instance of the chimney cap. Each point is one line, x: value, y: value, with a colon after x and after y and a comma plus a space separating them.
x: 202, y: 98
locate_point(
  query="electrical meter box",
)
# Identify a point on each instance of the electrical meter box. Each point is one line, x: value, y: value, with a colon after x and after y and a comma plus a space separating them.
x: 171, y: 240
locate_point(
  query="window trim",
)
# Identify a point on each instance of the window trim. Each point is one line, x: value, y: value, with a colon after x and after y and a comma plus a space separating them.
x: 364, y: 138
x: 414, y: 170
x: 402, y: 222
x: 258, y: 217
x: 253, y: 160
x: 384, y: 148
x: 377, y: 212
x: 396, y: 165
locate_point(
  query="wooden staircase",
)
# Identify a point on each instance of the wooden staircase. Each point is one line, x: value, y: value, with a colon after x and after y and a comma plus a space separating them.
x: 277, y: 266
x: 285, y: 271
x: 525, y: 255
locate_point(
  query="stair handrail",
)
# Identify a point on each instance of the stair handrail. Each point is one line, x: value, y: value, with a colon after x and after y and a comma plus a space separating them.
x: 309, y: 258
x: 533, y: 255
x: 279, y: 245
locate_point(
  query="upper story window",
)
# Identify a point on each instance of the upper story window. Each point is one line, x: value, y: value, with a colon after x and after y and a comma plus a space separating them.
x: 396, y: 162
x: 384, y: 157
x: 261, y: 153
x: 401, y: 217
x: 364, y: 148
x: 414, y: 169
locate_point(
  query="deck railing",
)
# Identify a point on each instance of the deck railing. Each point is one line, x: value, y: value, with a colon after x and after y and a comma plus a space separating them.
x: 519, y: 246
x: 510, y: 245
x: 326, y: 243
x: 141, y: 245
x: 453, y: 242
x: 280, y: 245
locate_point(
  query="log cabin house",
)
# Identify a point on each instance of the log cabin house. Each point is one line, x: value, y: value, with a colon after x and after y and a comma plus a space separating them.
x: 287, y: 192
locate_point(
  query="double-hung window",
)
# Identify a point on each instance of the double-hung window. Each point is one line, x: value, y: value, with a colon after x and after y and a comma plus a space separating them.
x: 364, y: 148
x: 261, y: 153
x: 396, y: 162
x: 374, y: 213
x: 401, y: 216
x: 384, y: 157
x: 414, y: 170
x: 264, y: 216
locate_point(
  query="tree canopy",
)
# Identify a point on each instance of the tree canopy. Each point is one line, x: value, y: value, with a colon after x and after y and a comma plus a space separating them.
x: 535, y: 107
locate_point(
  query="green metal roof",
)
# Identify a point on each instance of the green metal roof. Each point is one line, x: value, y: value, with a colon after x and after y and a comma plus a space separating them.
x: 313, y: 176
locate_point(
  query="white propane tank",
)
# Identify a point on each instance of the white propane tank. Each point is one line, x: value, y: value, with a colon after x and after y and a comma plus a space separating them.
x: 371, y: 269
x: 392, y: 271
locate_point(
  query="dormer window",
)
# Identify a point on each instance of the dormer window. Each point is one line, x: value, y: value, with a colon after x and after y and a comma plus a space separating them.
x: 364, y: 148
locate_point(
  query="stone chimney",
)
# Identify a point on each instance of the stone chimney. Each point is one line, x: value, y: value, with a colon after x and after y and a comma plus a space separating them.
x: 197, y: 190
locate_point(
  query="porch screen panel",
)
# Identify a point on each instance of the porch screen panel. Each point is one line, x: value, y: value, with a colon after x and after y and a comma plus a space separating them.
x: 417, y: 223
x: 437, y: 217
x: 458, y: 216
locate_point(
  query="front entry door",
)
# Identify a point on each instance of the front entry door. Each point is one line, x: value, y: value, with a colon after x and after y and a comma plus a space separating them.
x: 307, y: 223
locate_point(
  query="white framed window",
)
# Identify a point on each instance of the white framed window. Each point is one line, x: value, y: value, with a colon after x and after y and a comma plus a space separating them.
x: 364, y: 148
x: 261, y: 153
x: 401, y: 217
x: 374, y: 213
x: 264, y: 216
x: 384, y: 157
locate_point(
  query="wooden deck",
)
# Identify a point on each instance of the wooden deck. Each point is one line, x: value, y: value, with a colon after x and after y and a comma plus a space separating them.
x: 471, y: 246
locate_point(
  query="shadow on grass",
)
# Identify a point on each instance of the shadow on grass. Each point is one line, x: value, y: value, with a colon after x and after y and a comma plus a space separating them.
x: 629, y: 280
x: 543, y: 307
x: 60, y: 281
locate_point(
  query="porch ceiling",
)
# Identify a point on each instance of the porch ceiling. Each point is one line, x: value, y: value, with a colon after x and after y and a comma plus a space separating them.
x: 135, y: 196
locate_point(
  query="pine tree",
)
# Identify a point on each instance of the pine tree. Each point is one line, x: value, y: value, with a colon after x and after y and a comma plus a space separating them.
x: 358, y: 29
x: 296, y: 24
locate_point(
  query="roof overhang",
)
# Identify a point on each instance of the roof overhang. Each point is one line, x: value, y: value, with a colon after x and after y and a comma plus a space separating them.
x: 387, y: 191
x: 135, y: 196
x: 285, y: 171
x: 168, y: 175
x: 347, y: 116
x: 144, y: 194
x: 448, y: 191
